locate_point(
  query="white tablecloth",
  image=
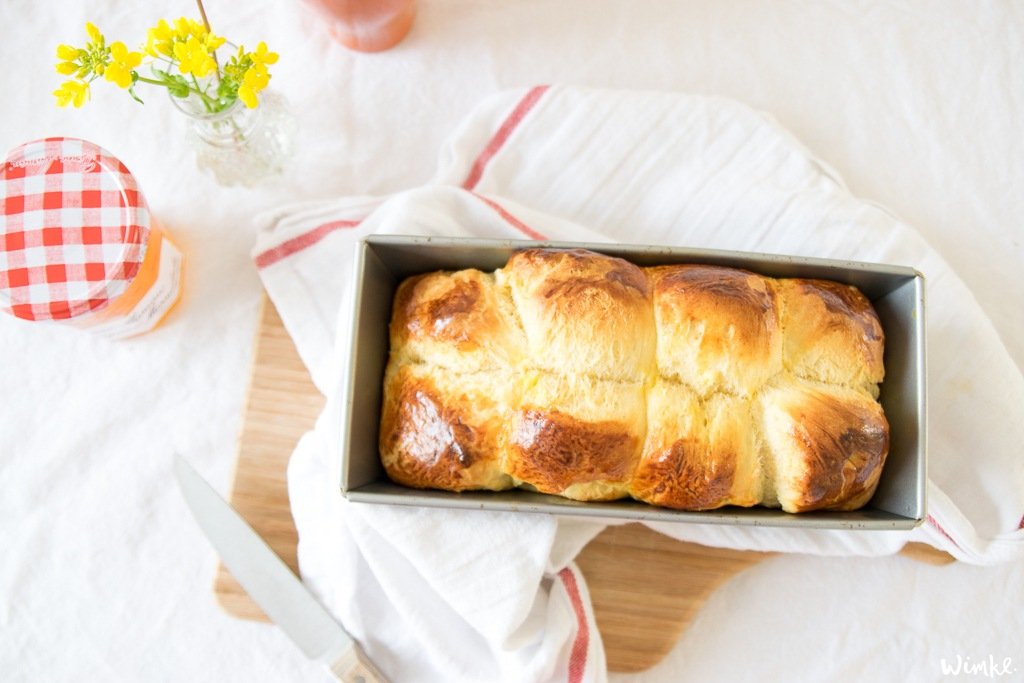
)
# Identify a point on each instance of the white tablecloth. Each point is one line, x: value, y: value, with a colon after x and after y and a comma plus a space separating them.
x: 104, y: 576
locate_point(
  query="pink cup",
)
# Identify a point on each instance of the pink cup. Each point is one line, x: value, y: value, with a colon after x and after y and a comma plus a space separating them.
x: 367, y: 25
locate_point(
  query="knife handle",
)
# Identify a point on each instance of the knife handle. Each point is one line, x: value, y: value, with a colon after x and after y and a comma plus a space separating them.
x: 353, y: 666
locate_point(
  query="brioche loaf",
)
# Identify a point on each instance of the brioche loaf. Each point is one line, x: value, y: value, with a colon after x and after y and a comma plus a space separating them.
x: 686, y: 386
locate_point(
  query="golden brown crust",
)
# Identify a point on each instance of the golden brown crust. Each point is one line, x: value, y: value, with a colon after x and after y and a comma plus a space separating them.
x: 453, y: 315
x: 575, y: 435
x: 435, y: 436
x: 698, y: 455
x: 717, y: 328
x: 583, y: 312
x: 566, y: 273
x: 455, y: 320
x: 829, y: 445
x: 551, y: 451
x: 688, y: 386
x: 832, y: 333
x: 685, y: 476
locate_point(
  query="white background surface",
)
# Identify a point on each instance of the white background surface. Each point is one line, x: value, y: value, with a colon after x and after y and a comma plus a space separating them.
x: 103, y: 576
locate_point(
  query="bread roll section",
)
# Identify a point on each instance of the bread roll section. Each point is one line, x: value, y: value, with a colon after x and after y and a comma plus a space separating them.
x: 691, y: 387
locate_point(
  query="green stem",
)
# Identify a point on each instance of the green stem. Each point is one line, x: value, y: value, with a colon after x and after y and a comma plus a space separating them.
x: 208, y: 102
x: 211, y: 104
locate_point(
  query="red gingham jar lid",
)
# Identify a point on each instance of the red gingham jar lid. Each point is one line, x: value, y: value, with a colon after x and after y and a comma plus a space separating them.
x: 73, y: 229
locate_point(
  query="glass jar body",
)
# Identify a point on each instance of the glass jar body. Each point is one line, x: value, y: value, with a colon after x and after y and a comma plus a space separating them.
x: 240, y: 146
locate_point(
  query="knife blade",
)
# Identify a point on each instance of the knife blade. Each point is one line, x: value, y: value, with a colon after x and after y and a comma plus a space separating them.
x: 271, y: 584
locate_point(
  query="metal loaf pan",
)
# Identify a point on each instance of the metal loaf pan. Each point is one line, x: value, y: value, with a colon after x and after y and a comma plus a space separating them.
x: 382, y: 262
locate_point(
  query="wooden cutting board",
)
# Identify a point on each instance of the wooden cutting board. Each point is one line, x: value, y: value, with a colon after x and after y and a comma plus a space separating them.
x: 645, y: 587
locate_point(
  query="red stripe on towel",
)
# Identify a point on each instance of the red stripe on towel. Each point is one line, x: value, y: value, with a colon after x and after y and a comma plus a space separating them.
x: 578, y: 656
x: 1021, y: 525
x: 300, y: 242
x: 510, y: 219
x: 931, y: 520
x: 503, y: 133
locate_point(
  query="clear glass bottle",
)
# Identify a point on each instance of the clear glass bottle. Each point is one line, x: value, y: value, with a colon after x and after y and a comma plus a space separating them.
x: 240, y: 146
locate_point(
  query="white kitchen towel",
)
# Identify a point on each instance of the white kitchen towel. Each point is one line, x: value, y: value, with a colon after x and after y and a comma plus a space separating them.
x: 463, y: 595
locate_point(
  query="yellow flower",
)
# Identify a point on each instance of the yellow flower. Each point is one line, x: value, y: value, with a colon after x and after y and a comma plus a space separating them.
x: 122, y: 63
x: 160, y: 39
x: 193, y: 58
x: 72, y: 92
x: 212, y: 42
x: 262, y: 56
x: 68, y: 53
x: 256, y: 79
x: 189, y: 27
x: 181, y: 28
x: 248, y: 96
x: 94, y: 33
x: 182, y: 47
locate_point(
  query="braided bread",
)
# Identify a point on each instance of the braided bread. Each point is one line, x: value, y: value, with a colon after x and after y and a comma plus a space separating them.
x: 685, y: 386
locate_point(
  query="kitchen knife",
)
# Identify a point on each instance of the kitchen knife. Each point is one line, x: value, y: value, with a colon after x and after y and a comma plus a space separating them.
x: 269, y: 581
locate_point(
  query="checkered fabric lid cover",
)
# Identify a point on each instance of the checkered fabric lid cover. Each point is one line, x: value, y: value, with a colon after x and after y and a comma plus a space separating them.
x: 73, y: 230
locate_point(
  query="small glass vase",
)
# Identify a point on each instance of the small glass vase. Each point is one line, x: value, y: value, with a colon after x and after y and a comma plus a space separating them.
x: 240, y: 146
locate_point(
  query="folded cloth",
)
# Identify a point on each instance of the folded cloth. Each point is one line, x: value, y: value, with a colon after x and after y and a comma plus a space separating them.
x: 475, y: 595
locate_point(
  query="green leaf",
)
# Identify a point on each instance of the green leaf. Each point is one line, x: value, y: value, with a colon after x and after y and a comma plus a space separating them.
x: 227, y: 89
x: 177, y: 85
x: 131, y: 88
